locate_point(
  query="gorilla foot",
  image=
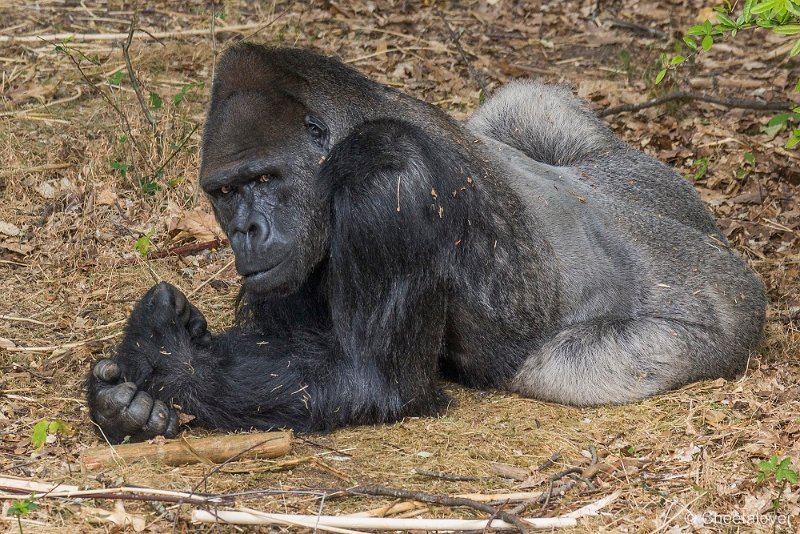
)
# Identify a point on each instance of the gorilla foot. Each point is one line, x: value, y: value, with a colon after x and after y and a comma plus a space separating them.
x: 121, y: 409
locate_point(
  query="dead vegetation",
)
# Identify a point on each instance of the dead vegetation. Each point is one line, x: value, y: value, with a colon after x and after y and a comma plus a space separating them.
x: 87, y: 183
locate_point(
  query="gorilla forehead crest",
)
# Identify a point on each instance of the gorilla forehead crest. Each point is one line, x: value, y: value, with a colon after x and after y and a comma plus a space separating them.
x: 383, y: 247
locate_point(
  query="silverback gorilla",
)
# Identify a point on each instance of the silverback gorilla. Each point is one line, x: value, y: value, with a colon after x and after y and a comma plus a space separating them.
x: 384, y: 245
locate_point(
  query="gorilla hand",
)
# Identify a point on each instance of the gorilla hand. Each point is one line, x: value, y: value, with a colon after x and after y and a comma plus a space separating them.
x: 165, y: 313
x: 121, y: 409
x: 164, y: 329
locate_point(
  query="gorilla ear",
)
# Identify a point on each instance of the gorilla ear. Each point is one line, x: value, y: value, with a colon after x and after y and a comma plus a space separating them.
x: 317, y: 130
x: 247, y: 67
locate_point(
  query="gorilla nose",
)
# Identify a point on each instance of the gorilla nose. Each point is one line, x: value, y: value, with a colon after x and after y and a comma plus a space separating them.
x: 253, y: 233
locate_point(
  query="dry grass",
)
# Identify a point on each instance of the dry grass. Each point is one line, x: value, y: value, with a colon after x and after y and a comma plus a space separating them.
x: 72, y: 273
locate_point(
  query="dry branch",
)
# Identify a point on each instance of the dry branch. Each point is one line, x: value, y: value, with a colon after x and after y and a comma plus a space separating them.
x: 239, y: 517
x: 80, y: 37
x: 742, y: 103
x: 216, y: 449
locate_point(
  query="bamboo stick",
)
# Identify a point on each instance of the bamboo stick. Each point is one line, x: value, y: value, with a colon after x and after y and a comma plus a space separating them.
x: 216, y: 449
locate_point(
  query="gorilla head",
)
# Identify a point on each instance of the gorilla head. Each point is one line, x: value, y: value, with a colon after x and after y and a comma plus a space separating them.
x: 260, y: 174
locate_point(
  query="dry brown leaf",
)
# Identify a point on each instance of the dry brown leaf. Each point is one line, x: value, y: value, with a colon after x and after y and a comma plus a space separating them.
x: 197, y: 223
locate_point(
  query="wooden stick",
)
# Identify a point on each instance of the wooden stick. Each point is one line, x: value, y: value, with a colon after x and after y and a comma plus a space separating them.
x: 237, y: 517
x: 78, y: 37
x: 216, y: 449
x: 24, y: 484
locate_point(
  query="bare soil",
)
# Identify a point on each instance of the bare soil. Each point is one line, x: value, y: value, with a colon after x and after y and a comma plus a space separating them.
x: 84, y: 176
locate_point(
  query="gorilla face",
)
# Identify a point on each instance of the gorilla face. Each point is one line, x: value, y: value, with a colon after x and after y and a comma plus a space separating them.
x: 260, y: 171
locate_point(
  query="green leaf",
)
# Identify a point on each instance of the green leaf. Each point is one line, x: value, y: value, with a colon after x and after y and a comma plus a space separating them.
x: 116, y: 78
x: 677, y: 60
x: 793, y: 52
x: 750, y: 158
x: 119, y: 166
x: 57, y: 426
x: 792, y: 142
x: 787, y: 29
x: 785, y: 472
x: 690, y: 43
x: 748, y: 7
x: 707, y: 42
x: 142, y: 245
x: 696, y: 30
x: 779, y: 119
x: 155, y: 101
x: 726, y: 20
x: 39, y: 434
x: 660, y: 75
x: 23, y: 507
x: 762, y: 7
x: 181, y: 94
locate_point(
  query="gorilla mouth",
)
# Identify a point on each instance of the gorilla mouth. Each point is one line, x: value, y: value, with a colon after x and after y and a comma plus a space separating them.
x: 260, y: 274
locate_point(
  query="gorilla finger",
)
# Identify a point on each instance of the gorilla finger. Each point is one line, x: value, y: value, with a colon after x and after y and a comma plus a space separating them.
x: 172, y: 424
x: 159, y: 419
x: 181, y: 305
x: 205, y: 340
x: 112, y: 400
x: 137, y: 413
x: 197, y: 324
x: 106, y: 370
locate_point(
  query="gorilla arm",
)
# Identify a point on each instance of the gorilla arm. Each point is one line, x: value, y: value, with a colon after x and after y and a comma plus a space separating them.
x: 373, y: 359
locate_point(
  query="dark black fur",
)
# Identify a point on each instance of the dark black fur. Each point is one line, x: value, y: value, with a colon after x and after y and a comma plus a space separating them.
x: 383, y: 244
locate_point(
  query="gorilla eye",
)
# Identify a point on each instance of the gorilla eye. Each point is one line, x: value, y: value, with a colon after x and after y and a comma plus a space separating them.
x: 264, y: 178
x: 225, y: 189
x: 316, y: 129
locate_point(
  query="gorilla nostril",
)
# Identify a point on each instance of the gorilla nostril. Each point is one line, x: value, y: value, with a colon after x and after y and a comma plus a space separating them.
x: 258, y: 231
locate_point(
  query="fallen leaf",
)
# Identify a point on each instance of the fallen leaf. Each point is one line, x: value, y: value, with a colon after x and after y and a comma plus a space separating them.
x: 9, y: 229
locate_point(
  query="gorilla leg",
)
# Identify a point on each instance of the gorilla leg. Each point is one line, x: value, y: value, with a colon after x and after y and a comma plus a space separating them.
x: 614, y: 361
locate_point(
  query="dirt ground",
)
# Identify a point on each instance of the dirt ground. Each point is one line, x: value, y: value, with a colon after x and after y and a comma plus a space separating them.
x: 86, y: 184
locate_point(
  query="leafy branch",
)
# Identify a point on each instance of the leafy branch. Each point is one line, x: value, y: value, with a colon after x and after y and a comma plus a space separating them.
x: 779, y: 16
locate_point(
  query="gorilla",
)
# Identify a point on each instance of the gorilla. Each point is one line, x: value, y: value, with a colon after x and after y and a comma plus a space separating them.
x: 384, y: 246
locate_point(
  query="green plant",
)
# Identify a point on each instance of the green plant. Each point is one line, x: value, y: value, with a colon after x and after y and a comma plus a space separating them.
x: 779, y: 469
x: 142, y: 245
x: 45, y: 428
x: 119, y: 166
x: 779, y: 16
x: 700, y: 169
x: 21, y: 508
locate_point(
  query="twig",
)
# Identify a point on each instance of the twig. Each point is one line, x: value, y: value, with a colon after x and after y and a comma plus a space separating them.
x: 448, y: 476
x: 475, y: 75
x: 46, y: 105
x: 132, y: 75
x: 175, y: 152
x: 208, y: 280
x: 185, y: 250
x: 48, y: 348
x: 444, y: 500
x: 688, y: 95
x: 96, y: 89
x: 21, y: 319
x: 636, y: 28
x: 78, y: 37
x: 550, y: 461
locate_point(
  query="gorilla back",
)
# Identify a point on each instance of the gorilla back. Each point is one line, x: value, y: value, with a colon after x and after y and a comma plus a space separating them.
x: 383, y: 244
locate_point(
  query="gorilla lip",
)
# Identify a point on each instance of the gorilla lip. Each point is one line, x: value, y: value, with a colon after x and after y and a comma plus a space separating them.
x: 257, y: 275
